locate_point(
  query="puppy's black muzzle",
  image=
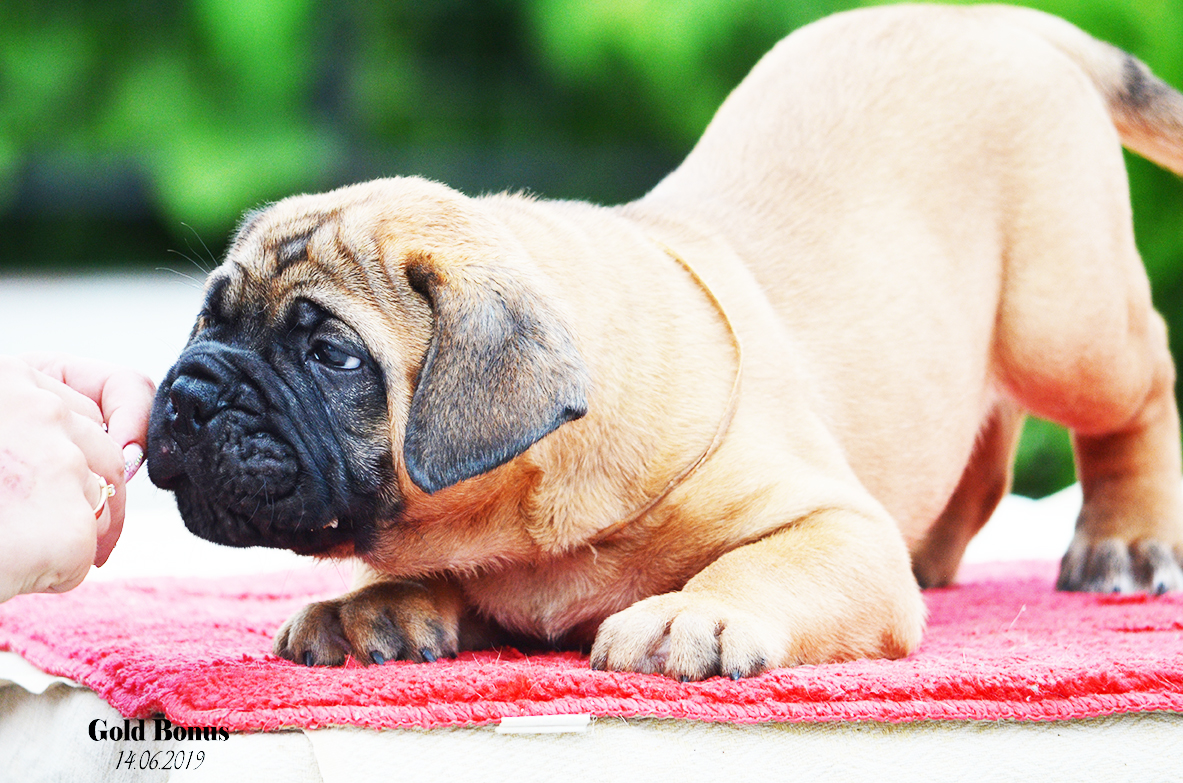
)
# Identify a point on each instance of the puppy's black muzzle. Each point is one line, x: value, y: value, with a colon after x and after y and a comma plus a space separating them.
x: 248, y: 452
x: 194, y: 402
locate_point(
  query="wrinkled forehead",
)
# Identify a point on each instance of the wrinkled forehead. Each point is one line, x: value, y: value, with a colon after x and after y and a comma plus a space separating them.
x: 344, y: 250
x: 281, y: 255
x: 333, y: 257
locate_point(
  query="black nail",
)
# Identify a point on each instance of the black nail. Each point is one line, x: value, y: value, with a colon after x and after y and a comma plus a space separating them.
x: 377, y: 657
x: 428, y: 655
x: 308, y: 658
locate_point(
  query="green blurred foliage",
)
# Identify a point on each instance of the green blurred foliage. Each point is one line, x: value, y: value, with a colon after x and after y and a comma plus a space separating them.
x: 131, y: 128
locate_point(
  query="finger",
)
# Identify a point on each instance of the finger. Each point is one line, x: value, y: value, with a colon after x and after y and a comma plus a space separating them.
x: 72, y: 558
x: 61, y: 563
x: 108, y: 520
x: 126, y: 403
x: 133, y: 458
x: 75, y: 401
x: 124, y: 398
x: 104, y: 459
x: 102, y: 455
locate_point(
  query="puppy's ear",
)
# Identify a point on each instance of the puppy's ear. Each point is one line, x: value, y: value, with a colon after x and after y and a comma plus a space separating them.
x: 501, y: 372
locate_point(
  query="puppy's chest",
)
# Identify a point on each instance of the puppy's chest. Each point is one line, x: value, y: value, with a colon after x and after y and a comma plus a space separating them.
x: 550, y: 599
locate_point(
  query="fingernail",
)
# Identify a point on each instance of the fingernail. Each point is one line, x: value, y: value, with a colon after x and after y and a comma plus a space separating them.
x: 133, y: 457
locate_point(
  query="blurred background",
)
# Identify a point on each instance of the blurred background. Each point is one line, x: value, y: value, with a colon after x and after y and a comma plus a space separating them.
x: 134, y: 133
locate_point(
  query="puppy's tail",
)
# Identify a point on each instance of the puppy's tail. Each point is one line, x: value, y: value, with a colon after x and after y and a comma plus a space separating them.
x: 1147, y: 111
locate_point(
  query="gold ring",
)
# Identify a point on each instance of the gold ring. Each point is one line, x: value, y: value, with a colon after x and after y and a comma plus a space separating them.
x: 106, y: 490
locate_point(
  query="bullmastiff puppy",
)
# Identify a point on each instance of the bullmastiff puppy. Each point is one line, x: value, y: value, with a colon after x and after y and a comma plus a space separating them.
x: 736, y: 424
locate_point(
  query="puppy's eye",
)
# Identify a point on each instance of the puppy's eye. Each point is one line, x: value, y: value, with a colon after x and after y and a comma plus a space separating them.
x: 332, y: 356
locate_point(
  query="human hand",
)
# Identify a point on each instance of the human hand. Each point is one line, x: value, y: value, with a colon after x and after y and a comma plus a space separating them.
x: 55, y: 460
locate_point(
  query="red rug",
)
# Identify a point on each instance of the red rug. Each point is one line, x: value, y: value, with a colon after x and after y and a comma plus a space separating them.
x: 1003, y: 644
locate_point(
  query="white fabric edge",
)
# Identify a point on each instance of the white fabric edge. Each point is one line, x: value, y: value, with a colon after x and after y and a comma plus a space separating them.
x: 15, y: 670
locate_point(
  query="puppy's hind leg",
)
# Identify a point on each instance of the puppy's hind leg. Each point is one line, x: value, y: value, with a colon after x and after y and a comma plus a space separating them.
x: 1094, y: 357
x: 1129, y: 535
x: 986, y: 480
x: 1077, y: 341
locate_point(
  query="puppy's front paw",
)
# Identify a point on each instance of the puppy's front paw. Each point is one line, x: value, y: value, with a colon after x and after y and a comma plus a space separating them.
x: 1110, y: 565
x: 380, y: 622
x: 687, y: 637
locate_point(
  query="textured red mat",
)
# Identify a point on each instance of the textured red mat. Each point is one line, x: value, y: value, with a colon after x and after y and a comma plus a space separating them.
x: 1002, y: 644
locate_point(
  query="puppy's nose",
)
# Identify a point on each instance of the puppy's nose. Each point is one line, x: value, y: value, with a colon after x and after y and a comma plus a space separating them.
x: 194, y: 401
